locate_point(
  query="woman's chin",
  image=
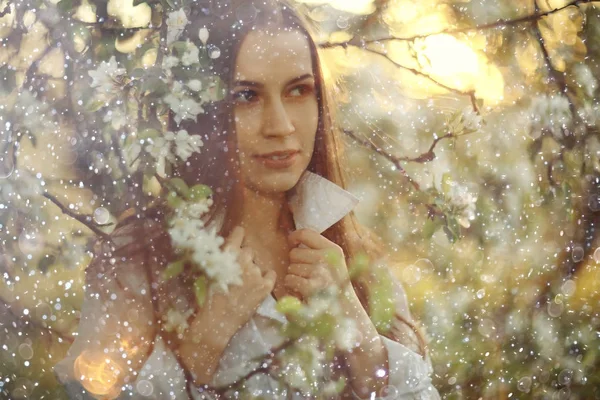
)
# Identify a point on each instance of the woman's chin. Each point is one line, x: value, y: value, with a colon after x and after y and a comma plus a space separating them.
x: 277, y: 183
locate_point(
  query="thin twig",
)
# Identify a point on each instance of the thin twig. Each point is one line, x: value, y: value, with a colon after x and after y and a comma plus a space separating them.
x: 121, y: 160
x: 5, y: 11
x: 222, y: 390
x: 417, y: 72
x: 450, y: 31
x: 86, y: 220
x: 555, y: 76
x: 392, y: 158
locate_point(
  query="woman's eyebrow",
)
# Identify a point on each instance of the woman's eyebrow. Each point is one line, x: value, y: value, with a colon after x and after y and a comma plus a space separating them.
x: 261, y: 85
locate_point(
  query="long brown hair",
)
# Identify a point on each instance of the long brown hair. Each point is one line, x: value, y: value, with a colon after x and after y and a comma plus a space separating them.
x: 228, y: 23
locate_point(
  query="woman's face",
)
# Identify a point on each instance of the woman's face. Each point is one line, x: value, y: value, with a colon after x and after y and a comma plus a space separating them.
x: 276, y: 109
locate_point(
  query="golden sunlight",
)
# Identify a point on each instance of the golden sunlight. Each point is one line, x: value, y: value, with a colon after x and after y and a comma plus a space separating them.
x: 456, y: 64
x: 130, y: 16
x: 98, y: 373
x: 360, y: 7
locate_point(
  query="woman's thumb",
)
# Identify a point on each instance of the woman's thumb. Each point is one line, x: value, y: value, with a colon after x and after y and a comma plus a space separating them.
x: 270, y: 276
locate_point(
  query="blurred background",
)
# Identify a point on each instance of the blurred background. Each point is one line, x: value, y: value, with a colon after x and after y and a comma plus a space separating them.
x: 473, y: 142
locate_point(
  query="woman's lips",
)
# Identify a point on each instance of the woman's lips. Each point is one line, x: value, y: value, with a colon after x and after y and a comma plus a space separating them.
x: 280, y: 163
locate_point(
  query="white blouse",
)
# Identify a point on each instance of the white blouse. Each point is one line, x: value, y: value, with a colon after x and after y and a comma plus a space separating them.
x: 117, y: 335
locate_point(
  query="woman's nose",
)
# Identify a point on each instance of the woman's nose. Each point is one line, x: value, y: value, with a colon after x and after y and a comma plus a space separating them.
x: 277, y: 120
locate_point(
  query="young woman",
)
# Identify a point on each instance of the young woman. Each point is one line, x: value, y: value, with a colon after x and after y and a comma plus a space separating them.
x: 273, y: 156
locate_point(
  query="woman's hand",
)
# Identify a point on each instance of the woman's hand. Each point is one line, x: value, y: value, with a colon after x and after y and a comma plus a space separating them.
x: 233, y: 309
x: 318, y: 265
x: 225, y: 313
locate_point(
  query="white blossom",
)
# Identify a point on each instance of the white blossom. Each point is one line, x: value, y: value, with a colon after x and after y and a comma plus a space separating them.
x: 465, y: 121
x: 195, y: 85
x: 461, y: 199
x: 160, y: 149
x: 299, y: 373
x: 170, y: 62
x: 184, y: 107
x: 188, y: 232
x: 191, y: 55
x: 107, y: 78
x: 585, y: 79
x: 176, y: 22
x: 346, y: 333
x: 177, y: 321
x: 186, y: 145
x: 549, y: 112
x: 203, y: 35
x: 471, y: 120
x: 117, y: 118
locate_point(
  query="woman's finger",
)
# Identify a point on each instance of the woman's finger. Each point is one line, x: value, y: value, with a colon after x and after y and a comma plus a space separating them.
x: 235, y: 239
x: 302, y: 270
x: 309, y: 238
x: 298, y: 285
x: 246, y: 256
x: 305, y: 256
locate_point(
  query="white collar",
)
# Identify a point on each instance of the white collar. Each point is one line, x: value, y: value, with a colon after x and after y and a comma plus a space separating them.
x: 317, y: 203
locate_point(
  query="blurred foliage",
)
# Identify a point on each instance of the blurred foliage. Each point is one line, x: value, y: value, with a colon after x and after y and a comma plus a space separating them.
x: 494, y: 234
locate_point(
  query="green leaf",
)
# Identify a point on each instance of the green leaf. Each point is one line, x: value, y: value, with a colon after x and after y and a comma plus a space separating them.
x: 138, y: 73
x: 333, y: 257
x: 200, y: 192
x: 446, y: 183
x: 430, y: 227
x: 156, y: 86
x: 288, y: 305
x: 359, y: 265
x: 173, y: 200
x: 173, y: 270
x: 323, y: 326
x: 180, y: 186
x: 179, y: 48
x: 95, y: 105
x: 200, y: 290
x: 148, y: 133
x: 66, y: 5
x: 382, y: 306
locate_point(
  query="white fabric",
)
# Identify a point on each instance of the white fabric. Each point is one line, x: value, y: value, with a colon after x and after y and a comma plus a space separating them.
x: 106, y: 324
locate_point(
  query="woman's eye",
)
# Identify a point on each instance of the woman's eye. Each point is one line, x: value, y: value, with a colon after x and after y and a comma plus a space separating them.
x: 244, y: 96
x: 301, y: 90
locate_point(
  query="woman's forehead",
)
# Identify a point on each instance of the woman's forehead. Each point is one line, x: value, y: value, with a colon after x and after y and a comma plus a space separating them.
x: 273, y: 56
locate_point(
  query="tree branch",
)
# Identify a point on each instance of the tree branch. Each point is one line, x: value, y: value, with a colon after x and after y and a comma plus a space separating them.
x: 390, y: 157
x: 497, y: 24
x: 556, y: 77
x: 86, y: 220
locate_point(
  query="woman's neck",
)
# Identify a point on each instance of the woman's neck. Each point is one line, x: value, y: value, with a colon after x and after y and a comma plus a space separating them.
x: 265, y: 216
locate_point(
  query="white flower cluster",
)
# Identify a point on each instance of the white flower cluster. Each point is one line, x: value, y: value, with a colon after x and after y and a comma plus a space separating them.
x: 465, y: 121
x: 183, y: 105
x: 107, y: 79
x: 176, y: 22
x: 303, y: 365
x: 461, y: 199
x: 177, y: 321
x: 189, y: 233
x: 345, y: 332
x: 165, y: 148
x: 549, y: 112
x: 585, y: 79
